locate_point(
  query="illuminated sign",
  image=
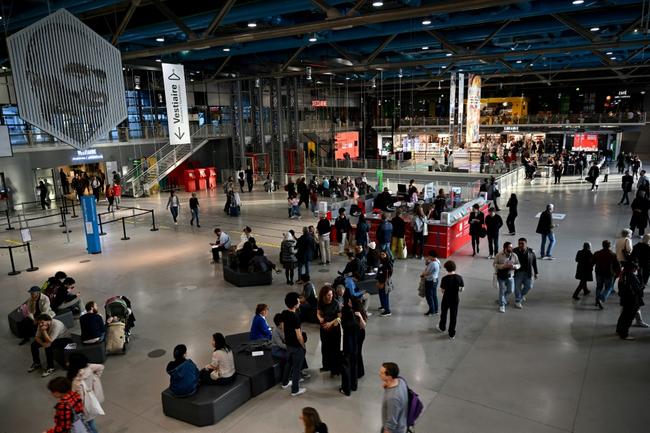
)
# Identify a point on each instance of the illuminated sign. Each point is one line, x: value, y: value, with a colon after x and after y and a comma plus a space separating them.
x: 347, y: 143
x: 510, y: 129
x: 87, y: 155
x: 622, y: 94
x: 318, y: 103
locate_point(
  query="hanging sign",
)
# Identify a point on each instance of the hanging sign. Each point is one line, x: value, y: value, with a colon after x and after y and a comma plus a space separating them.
x: 452, y: 105
x: 473, y: 109
x: 461, y: 102
x: 175, y: 94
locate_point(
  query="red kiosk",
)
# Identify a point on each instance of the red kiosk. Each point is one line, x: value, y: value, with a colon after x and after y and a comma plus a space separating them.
x: 201, y: 178
x: 212, y: 177
x: 189, y: 180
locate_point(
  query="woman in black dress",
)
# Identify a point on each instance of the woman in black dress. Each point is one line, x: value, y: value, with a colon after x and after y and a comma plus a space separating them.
x: 639, y: 218
x: 512, y: 213
x: 584, y: 270
x: 330, y: 330
x: 353, y: 323
x: 476, y: 221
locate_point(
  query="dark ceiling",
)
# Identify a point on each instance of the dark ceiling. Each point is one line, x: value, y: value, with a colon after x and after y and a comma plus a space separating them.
x: 414, y: 41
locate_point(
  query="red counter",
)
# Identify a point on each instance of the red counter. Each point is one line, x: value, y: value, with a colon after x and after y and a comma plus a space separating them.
x: 212, y: 177
x: 201, y: 179
x: 189, y: 180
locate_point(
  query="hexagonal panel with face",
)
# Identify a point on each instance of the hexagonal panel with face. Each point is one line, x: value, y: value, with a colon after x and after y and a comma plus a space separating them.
x: 68, y: 79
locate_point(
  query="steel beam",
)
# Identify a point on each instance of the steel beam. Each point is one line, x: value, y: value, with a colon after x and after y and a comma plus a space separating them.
x: 575, y: 26
x: 355, y: 8
x: 447, y: 6
x: 292, y: 58
x: 343, y: 52
x: 327, y: 9
x: 125, y: 21
x: 216, y: 21
x: 170, y: 15
x: 629, y: 28
x: 492, y: 35
x: 506, y: 64
x: 379, y: 49
x: 446, y: 44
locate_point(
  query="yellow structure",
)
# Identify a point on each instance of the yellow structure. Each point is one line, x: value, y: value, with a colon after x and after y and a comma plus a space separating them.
x: 516, y: 106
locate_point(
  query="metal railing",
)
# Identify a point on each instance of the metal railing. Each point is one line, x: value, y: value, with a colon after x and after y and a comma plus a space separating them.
x: 124, y: 218
x: 31, y: 268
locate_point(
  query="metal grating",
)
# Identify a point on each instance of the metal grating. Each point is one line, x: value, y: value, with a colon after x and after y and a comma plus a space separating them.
x: 68, y: 79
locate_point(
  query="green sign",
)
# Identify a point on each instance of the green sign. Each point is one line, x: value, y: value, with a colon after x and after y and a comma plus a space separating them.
x: 380, y: 180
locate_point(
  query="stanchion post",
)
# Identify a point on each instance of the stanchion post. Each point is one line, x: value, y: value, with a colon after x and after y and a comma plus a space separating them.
x: 65, y: 223
x: 101, y: 228
x: 125, y: 237
x: 153, y: 222
x: 61, y: 212
x: 8, y: 220
x: 13, y: 266
x: 133, y: 210
x: 31, y: 268
x: 74, y: 213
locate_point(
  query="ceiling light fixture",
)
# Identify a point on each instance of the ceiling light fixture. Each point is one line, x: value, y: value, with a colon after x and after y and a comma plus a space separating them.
x: 531, y: 65
x: 377, y: 4
x: 158, y: 60
x: 160, y: 39
x: 313, y: 38
x: 609, y: 53
x: 449, y: 54
x: 252, y: 24
x: 226, y: 50
x: 444, y: 66
x: 613, y: 58
x: 426, y: 22
x: 594, y: 29
x: 425, y: 48
x: 518, y: 61
x: 578, y: 2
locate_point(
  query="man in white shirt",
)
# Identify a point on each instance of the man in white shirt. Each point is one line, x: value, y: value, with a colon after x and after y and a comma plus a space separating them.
x: 50, y: 334
x: 430, y: 275
x: 506, y: 263
x: 223, y: 244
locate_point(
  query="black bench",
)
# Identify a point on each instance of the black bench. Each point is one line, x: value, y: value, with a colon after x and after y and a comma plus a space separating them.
x: 210, y: 404
x: 96, y: 352
x: 264, y: 372
x: 245, y: 279
x: 16, y: 316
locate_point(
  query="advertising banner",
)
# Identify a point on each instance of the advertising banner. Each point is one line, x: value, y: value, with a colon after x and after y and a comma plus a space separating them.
x: 347, y: 142
x: 452, y: 104
x: 461, y: 103
x: 91, y: 225
x: 175, y: 96
x: 473, y: 109
x: 585, y: 142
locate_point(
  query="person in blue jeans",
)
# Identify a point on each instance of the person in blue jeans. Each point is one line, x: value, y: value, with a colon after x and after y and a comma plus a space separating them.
x: 384, y: 274
x: 430, y: 275
x: 506, y: 263
x: 527, y: 273
x: 194, y: 209
x: 545, y: 228
x: 606, y: 268
x: 384, y: 234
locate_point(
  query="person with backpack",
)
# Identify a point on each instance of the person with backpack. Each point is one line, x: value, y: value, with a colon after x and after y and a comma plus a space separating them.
x: 85, y: 380
x: 68, y: 409
x: 394, y: 405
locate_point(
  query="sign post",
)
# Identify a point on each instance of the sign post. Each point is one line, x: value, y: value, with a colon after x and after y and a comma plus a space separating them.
x: 380, y: 180
x: 91, y: 228
x: 175, y: 96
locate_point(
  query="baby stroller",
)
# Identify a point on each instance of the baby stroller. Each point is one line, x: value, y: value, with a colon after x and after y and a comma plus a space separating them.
x: 118, y: 330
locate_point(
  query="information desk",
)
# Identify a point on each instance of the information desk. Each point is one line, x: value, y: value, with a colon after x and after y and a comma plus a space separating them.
x: 445, y: 237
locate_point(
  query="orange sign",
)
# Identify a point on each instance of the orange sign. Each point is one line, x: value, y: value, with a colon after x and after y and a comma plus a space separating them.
x: 318, y: 103
x: 347, y: 142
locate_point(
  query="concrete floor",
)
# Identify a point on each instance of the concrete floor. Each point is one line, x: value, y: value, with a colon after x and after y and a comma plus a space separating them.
x: 555, y: 366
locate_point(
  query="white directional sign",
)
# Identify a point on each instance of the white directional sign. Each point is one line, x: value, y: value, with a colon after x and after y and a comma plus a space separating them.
x: 177, y: 117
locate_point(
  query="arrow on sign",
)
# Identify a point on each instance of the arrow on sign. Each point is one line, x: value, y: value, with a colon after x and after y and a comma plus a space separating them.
x: 178, y: 133
x: 173, y: 76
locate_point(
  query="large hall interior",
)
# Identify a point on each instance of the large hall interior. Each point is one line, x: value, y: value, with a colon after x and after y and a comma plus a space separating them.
x: 324, y: 216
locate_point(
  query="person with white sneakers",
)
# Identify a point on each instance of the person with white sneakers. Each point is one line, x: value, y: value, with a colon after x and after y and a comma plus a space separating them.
x: 506, y: 263
x: 527, y: 273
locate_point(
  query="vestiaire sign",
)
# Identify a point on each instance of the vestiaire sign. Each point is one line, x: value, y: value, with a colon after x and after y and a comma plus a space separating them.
x: 177, y: 118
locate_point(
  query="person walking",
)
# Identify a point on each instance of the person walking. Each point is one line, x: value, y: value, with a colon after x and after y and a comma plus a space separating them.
x: 95, y: 184
x: 430, y: 275
x: 194, y: 209
x: 384, y: 234
x: 85, y: 379
x: 361, y: 234
x: 592, y: 175
x: 630, y: 291
x: 506, y: 263
x: 641, y: 254
x: 606, y: 267
x: 228, y: 189
x: 305, y: 246
x: 43, y: 195
x: 174, y: 205
x: 249, y: 178
x: 69, y: 404
x: 384, y: 282
x: 451, y: 285
x: 394, y: 405
x: 640, y: 206
x: 493, y: 193
x: 110, y: 196
x: 527, y: 272
x: 65, y: 184
x: 644, y: 183
x: 512, y: 213
x: 493, y: 224
x: 557, y: 170
x: 584, y: 270
x: 241, y: 178
x: 294, y: 340
x: 626, y: 185
x: 545, y: 228
x: 476, y: 230
x: 288, y: 257
x: 623, y: 246
x: 324, y: 228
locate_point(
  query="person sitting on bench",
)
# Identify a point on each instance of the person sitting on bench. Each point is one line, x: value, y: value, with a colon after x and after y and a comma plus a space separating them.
x: 64, y: 298
x: 92, y: 325
x: 221, y: 369
x: 260, y: 329
x: 37, y: 304
x: 51, y: 333
x: 222, y: 244
x: 183, y: 373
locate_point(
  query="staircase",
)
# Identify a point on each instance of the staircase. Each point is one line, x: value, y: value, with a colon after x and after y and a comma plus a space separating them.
x: 138, y: 183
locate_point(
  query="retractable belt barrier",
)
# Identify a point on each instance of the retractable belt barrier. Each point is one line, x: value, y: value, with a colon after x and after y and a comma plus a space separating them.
x: 31, y: 268
x: 124, y: 218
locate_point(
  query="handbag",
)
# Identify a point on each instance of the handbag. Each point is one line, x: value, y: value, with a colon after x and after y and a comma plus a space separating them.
x: 421, y: 288
x: 388, y: 286
x: 92, y: 407
x: 483, y: 232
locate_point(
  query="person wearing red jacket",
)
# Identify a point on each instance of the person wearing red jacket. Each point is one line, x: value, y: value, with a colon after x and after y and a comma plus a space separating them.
x: 69, y: 403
